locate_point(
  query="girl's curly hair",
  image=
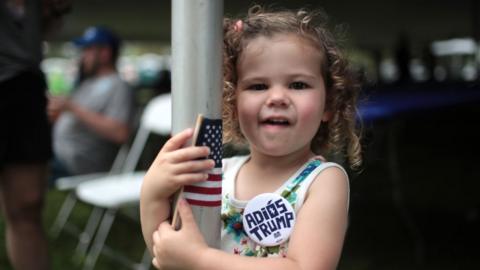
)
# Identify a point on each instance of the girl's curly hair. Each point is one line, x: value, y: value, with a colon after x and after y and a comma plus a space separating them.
x: 339, y: 136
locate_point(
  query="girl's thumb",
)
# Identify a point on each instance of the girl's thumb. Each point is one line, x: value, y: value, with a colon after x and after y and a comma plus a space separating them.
x: 186, y: 214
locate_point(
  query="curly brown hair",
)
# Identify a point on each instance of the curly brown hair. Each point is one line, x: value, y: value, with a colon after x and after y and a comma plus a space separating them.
x: 339, y: 137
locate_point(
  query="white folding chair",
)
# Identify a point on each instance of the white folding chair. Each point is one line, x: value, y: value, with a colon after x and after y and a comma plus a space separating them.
x: 69, y: 184
x: 116, y: 191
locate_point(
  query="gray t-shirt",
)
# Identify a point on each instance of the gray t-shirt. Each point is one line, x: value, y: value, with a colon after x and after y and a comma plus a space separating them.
x: 77, y: 146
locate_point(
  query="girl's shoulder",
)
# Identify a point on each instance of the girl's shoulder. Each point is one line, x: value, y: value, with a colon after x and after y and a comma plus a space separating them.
x: 329, y: 178
x: 232, y: 162
x: 324, y: 164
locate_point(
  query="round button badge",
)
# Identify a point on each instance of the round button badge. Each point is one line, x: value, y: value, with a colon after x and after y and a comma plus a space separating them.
x: 268, y: 219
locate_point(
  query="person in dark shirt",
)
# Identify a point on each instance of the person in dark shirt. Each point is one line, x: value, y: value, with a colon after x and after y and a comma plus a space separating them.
x: 25, y: 144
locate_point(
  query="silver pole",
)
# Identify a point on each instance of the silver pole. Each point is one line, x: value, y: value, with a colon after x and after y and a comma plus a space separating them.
x: 197, y: 60
x: 197, y: 78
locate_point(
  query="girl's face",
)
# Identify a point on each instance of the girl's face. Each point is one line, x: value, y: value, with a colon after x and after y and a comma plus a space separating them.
x: 280, y: 94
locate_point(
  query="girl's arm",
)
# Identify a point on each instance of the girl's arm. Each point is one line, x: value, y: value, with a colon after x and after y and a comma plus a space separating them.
x: 315, y: 244
x: 173, y: 167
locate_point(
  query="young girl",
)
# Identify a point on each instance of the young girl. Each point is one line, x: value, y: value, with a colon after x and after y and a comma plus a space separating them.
x: 290, y: 97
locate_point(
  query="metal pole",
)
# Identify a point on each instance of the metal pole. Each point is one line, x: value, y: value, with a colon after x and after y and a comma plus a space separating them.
x: 197, y: 79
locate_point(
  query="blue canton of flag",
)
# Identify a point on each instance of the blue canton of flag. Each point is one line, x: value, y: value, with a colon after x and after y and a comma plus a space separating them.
x: 208, y: 193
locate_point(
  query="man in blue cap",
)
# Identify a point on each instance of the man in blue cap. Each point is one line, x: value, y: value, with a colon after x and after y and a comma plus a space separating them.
x: 93, y: 122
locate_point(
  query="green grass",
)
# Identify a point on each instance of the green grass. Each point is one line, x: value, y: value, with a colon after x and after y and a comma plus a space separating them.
x: 124, y: 237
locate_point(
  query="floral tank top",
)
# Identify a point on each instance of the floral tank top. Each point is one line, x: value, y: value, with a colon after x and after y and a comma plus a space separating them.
x: 233, y: 237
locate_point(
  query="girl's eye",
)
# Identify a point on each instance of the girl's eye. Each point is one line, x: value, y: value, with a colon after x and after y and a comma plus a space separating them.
x: 298, y: 85
x: 257, y: 87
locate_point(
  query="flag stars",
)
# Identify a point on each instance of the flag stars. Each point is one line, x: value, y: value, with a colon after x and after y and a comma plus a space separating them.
x: 211, y: 136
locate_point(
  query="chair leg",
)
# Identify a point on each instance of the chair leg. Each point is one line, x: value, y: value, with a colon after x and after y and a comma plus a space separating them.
x: 86, y: 236
x: 63, y: 214
x: 99, y: 240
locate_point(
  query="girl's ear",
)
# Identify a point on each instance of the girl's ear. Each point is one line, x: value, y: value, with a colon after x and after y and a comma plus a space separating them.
x: 327, y: 115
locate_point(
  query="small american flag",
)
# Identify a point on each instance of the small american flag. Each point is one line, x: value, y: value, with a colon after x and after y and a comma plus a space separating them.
x: 208, y: 193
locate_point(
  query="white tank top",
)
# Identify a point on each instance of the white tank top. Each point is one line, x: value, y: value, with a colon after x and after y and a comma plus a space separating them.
x: 233, y: 237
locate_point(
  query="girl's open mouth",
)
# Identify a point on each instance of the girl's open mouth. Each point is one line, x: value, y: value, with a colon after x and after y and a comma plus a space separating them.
x: 276, y: 122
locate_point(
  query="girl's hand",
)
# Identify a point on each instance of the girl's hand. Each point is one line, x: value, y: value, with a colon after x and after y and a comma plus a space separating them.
x: 182, y: 249
x: 175, y: 166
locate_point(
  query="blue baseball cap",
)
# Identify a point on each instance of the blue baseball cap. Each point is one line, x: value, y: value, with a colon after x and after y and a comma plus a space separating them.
x: 97, y: 35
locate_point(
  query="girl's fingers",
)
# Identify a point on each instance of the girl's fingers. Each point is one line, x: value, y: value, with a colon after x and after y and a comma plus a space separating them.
x: 193, y: 166
x: 190, y: 178
x: 156, y: 237
x: 188, y: 153
x: 155, y: 263
x: 177, y: 141
x: 155, y: 252
x: 188, y: 221
x: 163, y: 227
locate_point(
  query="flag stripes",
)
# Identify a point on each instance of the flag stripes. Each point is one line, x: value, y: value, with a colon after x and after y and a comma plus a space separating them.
x: 208, y: 193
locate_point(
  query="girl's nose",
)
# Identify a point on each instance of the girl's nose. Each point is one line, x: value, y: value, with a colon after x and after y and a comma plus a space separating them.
x: 278, y: 96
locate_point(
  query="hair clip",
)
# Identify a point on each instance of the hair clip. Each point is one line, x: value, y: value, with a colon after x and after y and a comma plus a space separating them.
x: 238, y: 26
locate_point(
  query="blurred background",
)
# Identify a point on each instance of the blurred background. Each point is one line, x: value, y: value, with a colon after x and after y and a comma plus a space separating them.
x: 386, y: 39
x: 414, y: 204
